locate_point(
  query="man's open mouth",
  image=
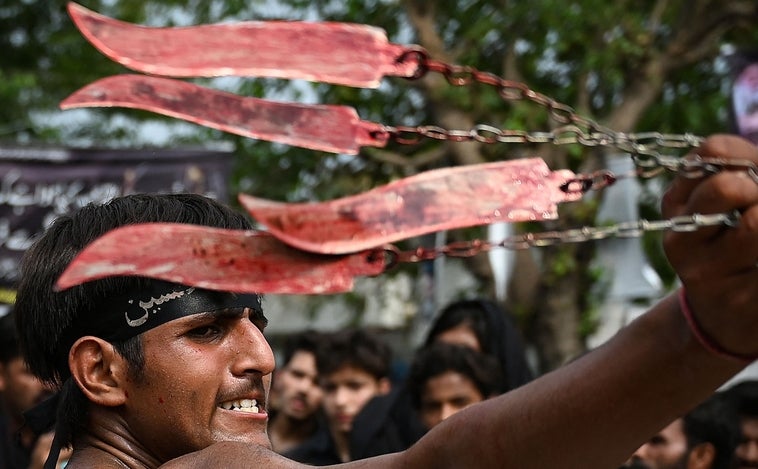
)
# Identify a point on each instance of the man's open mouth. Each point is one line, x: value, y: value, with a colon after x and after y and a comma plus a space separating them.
x: 242, y: 405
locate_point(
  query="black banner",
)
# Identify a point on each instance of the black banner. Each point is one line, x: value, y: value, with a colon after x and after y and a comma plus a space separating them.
x: 37, y: 185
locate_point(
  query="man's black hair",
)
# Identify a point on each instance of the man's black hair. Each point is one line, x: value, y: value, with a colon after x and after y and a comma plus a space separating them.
x: 743, y: 397
x: 496, y: 332
x: 306, y: 341
x: 357, y: 348
x: 50, y: 321
x: 715, y: 422
x: 439, y: 358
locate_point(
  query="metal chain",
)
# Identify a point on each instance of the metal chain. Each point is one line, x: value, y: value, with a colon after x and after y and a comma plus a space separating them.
x: 630, y: 229
x: 644, y: 148
x: 695, y: 168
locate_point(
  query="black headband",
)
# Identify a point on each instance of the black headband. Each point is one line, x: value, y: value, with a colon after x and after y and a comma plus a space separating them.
x: 123, y: 317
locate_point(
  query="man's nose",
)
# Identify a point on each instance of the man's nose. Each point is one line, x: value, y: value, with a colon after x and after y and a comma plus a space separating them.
x: 253, y: 352
x: 641, y: 453
x: 447, y: 410
x: 341, y: 396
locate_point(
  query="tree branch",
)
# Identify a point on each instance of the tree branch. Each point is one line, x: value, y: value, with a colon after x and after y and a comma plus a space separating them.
x: 421, y: 15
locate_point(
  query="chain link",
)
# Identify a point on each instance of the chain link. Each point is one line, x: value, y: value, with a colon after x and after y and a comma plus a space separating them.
x: 630, y: 229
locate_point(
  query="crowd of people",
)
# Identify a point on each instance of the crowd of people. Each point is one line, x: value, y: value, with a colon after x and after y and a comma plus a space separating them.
x: 187, y: 385
x: 343, y: 405
x: 473, y: 352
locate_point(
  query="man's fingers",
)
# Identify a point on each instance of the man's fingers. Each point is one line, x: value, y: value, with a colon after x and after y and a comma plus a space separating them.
x: 676, y: 201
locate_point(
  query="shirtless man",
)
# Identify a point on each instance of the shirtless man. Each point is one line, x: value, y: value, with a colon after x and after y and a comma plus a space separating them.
x: 187, y: 387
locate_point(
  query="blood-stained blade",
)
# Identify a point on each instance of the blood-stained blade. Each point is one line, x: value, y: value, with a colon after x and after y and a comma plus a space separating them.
x: 336, y: 129
x: 340, y: 53
x: 507, y: 191
x: 217, y: 259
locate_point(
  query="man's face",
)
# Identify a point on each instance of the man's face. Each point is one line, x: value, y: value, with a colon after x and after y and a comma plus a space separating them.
x: 21, y: 390
x: 747, y: 450
x: 446, y: 394
x: 665, y: 450
x: 206, y: 379
x: 299, y: 392
x: 346, y: 391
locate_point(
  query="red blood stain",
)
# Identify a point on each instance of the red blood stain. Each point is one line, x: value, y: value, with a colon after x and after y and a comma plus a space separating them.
x: 160, y: 399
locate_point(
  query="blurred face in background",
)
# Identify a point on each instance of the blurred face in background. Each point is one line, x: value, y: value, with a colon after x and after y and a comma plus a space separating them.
x: 299, y: 394
x: 747, y: 450
x: 346, y: 391
x: 446, y: 394
x: 20, y: 389
x: 667, y: 449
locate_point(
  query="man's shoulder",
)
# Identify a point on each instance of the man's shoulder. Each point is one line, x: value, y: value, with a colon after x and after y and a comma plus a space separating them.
x: 239, y: 455
x: 231, y: 455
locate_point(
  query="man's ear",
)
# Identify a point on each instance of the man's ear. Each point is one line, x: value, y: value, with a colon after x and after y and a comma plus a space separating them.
x: 99, y: 371
x: 701, y: 456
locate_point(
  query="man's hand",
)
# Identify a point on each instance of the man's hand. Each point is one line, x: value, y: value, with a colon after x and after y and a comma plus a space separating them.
x: 719, y: 265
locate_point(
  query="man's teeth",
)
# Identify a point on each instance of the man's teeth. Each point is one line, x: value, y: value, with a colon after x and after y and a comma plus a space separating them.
x: 241, y: 405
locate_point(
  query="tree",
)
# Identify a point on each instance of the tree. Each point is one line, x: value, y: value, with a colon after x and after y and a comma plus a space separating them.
x: 650, y: 65
x: 631, y: 66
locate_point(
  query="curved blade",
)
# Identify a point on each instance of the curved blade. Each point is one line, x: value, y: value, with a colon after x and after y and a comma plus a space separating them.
x: 217, y: 259
x: 507, y: 191
x: 335, y: 129
x: 340, y: 53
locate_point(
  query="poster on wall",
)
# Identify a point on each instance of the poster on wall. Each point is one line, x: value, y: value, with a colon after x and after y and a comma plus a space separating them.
x: 39, y: 184
x: 745, y: 94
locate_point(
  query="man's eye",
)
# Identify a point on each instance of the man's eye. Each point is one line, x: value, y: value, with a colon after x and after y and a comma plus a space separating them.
x: 205, y: 332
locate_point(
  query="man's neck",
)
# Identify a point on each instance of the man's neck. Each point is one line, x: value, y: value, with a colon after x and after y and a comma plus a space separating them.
x: 108, y: 443
x: 342, y: 445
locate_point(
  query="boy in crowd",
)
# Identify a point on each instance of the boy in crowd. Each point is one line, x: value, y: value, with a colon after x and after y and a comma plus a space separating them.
x: 20, y: 390
x: 354, y: 367
x: 445, y: 379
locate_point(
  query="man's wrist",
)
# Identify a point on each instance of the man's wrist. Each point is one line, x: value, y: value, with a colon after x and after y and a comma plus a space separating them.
x: 705, y: 339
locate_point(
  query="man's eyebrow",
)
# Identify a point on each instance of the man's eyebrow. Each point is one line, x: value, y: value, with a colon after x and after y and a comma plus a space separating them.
x: 230, y: 313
